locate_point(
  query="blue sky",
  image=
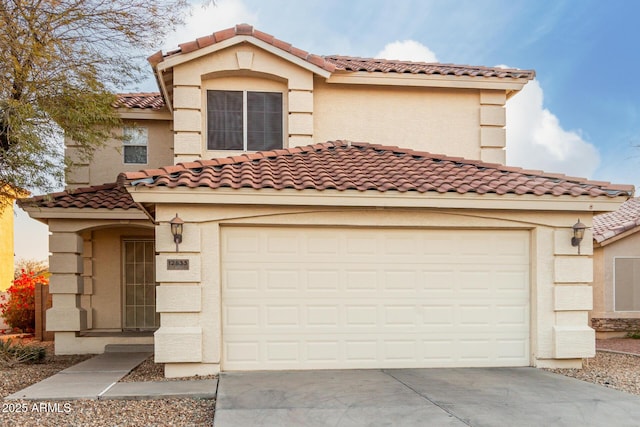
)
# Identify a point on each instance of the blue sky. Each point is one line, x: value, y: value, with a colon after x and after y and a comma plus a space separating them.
x: 581, y: 116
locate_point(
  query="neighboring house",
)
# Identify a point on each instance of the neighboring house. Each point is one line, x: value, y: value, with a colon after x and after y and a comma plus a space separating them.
x: 616, y: 280
x: 6, y: 236
x: 6, y: 247
x: 311, y: 241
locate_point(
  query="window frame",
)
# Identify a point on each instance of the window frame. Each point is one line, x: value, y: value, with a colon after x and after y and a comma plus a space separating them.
x: 614, y: 283
x: 245, y: 119
x: 128, y: 135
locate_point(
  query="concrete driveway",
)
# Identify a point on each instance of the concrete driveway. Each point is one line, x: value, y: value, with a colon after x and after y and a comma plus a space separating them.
x: 419, y: 397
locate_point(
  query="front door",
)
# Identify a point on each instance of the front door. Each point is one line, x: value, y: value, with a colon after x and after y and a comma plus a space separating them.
x: 139, y: 285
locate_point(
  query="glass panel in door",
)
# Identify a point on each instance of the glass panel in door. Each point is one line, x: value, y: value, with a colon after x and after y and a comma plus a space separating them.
x: 140, y: 285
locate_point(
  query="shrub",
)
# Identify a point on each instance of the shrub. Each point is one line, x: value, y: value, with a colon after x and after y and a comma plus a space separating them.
x: 13, y: 354
x: 19, y: 309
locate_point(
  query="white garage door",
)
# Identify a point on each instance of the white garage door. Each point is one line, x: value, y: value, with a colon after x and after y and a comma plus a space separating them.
x: 331, y: 298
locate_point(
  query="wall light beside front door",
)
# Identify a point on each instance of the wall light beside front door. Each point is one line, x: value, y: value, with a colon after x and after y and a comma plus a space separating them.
x: 578, y: 234
x: 177, y: 225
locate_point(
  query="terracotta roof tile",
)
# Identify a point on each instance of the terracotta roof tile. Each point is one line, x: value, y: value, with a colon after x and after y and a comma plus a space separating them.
x: 347, y: 166
x: 206, y: 41
x: 347, y: 63
x: 107, y: 196
x: 147, y: 100
x: 225, y: 34
x: 611, y: 224
x: 372, y: 65
x: 330, y: 63
x: 189, y: 46
x: 244, y: 30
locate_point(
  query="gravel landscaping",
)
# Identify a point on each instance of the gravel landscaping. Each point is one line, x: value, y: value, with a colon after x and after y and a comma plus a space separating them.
x: 616, y: 370
x: 162, y: 412
x: 150, y: 371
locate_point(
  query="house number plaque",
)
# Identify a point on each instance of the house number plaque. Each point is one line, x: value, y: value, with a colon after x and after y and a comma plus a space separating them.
x: 177, y: 264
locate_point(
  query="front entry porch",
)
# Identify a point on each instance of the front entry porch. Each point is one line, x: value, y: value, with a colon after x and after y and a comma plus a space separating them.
x: 103, y: 286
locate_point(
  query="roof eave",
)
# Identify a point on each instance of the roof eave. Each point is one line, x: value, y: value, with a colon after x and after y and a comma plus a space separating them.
x: 389, y: 199
x: 510, y: 85
x: 144, y: 114
x: 43, y: 213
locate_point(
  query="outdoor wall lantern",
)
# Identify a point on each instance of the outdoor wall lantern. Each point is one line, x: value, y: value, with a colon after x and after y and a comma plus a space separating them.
x: 176, y: 229
x: 578, y: 234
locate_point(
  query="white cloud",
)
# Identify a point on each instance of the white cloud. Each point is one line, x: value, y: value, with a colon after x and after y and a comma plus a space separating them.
x: 536, y: 139
x: 407, y: 50
x: 205, y: 20
x: 31, y: 237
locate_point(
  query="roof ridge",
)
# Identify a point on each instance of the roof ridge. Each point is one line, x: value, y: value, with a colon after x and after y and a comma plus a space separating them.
x: 407, y: 61
x: 556, y: 179
x: 354, y: 63
x: 328, y: 62
x: 156, y: 93
x: 241, y: 30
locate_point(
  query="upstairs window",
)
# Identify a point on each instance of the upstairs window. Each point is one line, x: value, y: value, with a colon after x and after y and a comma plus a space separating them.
x: 135, y: 144
x: 243, y: 120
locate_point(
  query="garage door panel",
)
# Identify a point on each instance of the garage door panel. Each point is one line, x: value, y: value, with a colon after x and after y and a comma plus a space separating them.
x: 369, y: 350
x: 327, y: 279
x: 512, y: 315
x: 366, y: 298
x: 352, y: 317
x: 242, y: 316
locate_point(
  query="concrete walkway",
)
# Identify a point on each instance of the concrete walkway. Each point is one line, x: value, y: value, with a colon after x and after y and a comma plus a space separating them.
x: 97, y: 378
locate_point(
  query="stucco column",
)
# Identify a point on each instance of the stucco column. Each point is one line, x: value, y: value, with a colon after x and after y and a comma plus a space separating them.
x: 179, y: 340
x: 564, y: 298
x: 492, y: 126
x: 573, y: 297
x: 66, y: 283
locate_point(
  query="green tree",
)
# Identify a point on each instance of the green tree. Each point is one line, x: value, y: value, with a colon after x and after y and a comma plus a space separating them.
x: 60, y: 63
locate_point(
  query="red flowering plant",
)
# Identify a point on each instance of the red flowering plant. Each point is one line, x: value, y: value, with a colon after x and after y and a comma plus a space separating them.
x: 18, y: 309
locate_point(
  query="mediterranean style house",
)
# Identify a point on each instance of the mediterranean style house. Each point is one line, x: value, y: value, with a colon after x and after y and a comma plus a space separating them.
x: 273, y: 209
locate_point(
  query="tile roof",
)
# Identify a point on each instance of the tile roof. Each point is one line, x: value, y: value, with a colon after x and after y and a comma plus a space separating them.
x: 107, y: 196
x: 344, y: 63
x: 372, y: 65
x: 242, y: 30
x: 146, y: 100
x: 611, y: 224
x: 361, y: 167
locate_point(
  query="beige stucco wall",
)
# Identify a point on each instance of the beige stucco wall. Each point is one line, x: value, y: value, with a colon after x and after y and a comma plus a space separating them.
x: 6, y: 247
x: 463, y: 122
x: 443, y: 121
x: 86, y: 281
x: 459, y: 122
x: 603, y: 285
x: 241, y: 67
x: 108, y: 161
x: 106, y: 297
x: 560, y: 278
